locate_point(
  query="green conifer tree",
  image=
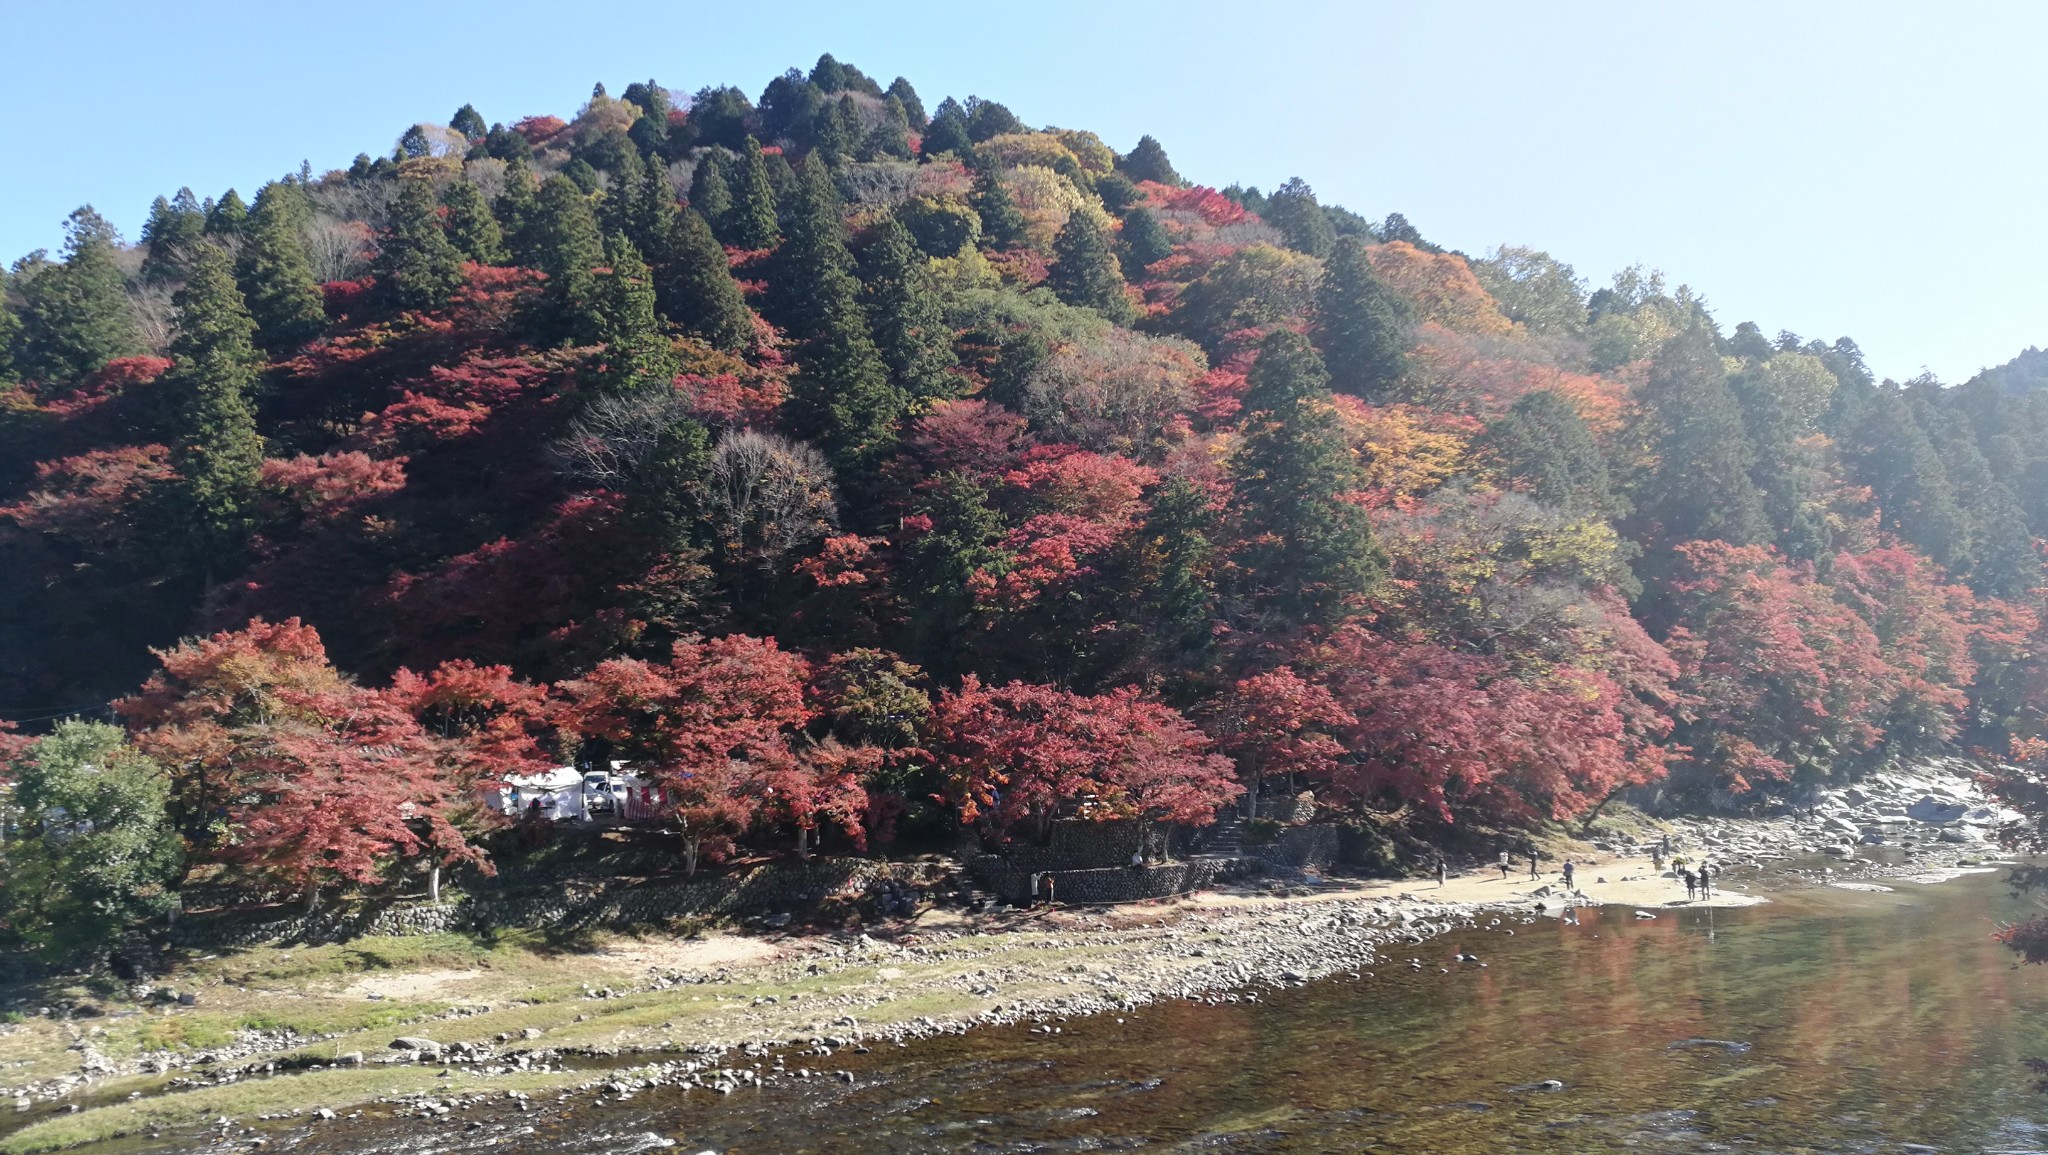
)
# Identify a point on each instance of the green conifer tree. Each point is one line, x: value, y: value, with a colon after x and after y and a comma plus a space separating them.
x: 1309, y: 552
x: 416, y: 267
x: 838, y: 130
x: 1361, y: 326
x: 696, y: 290
x: 567, y: 247
x: 1700, y: 489
x: 274, y: 274
x: 947, y: 131
x: 913, y: 108
x: 903, y: 306
x: 469, y: 123
x: 228, y: 216
x: 1085, y: 272
x: 1177, y: 566
x: 751, y: 222
x: 515, y: 208
x: 711, y: 191
x: 637, y: 355
x: 1002, y: 222
x: 841, y: 394
x: 76, y: 316
x: 173, y: 224
x: 1147, y: 161
x: 1142, y: 241
x: 470, y: 226
x: 1293, y: 210
x: 215, y: 448
x: 890, y: 139
x: 1545, y: 448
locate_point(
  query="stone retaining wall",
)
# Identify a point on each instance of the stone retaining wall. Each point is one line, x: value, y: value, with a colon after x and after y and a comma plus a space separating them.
x: 1113, y: 883
x: 1299, y: 846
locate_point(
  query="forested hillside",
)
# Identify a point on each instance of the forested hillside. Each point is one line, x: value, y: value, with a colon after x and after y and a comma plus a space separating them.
x: 849, y: 461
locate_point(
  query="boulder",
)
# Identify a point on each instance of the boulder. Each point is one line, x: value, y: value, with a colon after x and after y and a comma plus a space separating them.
x: 1936, y: 811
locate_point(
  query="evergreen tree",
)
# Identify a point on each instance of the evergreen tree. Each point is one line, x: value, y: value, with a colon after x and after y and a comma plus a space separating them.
x: 751, y: 222
x: 75, y: 316
x: 841, y: 394
x: 214, y: 444
x: 1545, y: 448
x: 1084, y: 269
x: 1360, y: 324
x: 506, y: 145
x: 1002, y: 222
x: 1148, y: 161
x: 624, y: 203
x: 567, y: 246
x: 1700, y: 489
x: 470, y: 226
x: 711, y: 191
x: 228, y: 216
x: 416, y: 266
x: 903, y: 306
x: 889, y: 139
x: 637, y: 356
x: 274, y: 274
x: 1177, y: 570
x: 515, y: 207
x: 837, y: 132
x: 172, y: 225
x: 1293, y: 210
x: 986, y: 120
x: 941, y: 564
x: 906, y: 96
x: 469, y: 123
x: 10, y: 336
x: 695, y: 287
x: 1142, y: 241
x: 947, y: 131
x: 413, y: 145
x: 1308, y: 546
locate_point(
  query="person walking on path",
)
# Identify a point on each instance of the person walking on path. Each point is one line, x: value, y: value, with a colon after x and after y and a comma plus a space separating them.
x: 1533, y: 875
x: 1692, y: 883
x: 1567, y: 876
x: 1503, y: 866
x: 1706, y: 882
x: 1443, y: 872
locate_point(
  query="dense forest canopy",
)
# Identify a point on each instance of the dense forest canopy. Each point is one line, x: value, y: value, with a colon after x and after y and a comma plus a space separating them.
x: 843, y: 457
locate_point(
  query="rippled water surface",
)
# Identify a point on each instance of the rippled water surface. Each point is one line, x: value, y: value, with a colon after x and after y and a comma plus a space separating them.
x: 1851, y: 1022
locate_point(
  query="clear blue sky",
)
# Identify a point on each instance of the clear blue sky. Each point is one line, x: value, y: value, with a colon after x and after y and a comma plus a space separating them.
x: 1861, y: 168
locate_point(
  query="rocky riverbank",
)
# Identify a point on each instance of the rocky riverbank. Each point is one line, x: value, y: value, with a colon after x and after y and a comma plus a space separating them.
x: 729, y: 1011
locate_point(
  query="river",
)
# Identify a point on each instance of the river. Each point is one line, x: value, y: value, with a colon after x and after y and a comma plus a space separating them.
x: 1826, y: 1021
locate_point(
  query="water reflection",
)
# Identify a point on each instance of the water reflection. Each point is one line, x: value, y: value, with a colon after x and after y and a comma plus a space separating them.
x: 1872, y: 1023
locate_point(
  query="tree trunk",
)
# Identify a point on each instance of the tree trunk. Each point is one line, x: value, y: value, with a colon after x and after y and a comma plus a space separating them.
x: 803, y: 842
x: 312, y: 897
x: 689, y: 857
x: 434, y: 884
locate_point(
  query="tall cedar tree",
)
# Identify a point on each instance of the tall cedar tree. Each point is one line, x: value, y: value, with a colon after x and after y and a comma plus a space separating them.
x: 1361, y: 326
x: 1700, y: 488
x: 274, y: 273
x: 214, y: 444
x: 1545, y: 449
x: 1178, y: 564
x: 1002, y: 222
x: 172, y: 225
x: 515, y: 208
x: 624, y: 207
x: 469, y: 122
x: 567, y: 247
x: 751, y: 222
x: 1308, y: 543
x: 903, y: 306
x: 416, y: 266
x: 947, y: 131
x: 889, y: 139
x: 838, y: 132
x: 695, y: 287
x: 1147, y: 161
x: 913, y: 108
x: 841, y: 394
x: 711, y: 191
x: 1293, y: 210
x: 1085, y: 272
x: 1142, y: 241
x: 471, y: 228
x: 637, y: 356
x: 10, y: 336
x: 76, y: 315
x: 227, y: 216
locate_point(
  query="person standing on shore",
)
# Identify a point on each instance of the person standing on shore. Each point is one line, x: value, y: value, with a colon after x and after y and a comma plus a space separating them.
x: 1692, y: 883
x: 1567, y: 876
x: 1503, y: 866
x: 1533, y: 875
x: 1706, y: 881
x: 1443, y: 871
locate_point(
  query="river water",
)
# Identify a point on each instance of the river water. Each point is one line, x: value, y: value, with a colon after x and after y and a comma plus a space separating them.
x: 1853, y: 1022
